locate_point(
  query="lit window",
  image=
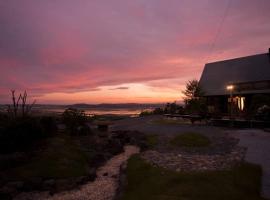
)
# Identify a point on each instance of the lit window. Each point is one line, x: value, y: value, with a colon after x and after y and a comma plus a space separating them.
x: 241, y: 103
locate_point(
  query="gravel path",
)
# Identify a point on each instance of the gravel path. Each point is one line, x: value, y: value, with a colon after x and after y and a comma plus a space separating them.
x: 103, y: 188
x: 258, y: 152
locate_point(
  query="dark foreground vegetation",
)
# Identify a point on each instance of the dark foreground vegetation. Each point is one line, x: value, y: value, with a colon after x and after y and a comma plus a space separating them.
x: 52, y: 153
x: 190, y: 139
x: 147, y: 182
x: 19, y: 130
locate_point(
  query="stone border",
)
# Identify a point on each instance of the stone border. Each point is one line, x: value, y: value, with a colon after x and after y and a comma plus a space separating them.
x: 195, y: 162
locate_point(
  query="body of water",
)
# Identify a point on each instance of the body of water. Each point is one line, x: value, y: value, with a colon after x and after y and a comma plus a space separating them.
x: 102, y: 109
x: 107, y: 111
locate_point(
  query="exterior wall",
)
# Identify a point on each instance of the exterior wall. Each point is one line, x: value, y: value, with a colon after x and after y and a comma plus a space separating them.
x: 222, y: 104
x: 252, y: 86
x: 217, y: 104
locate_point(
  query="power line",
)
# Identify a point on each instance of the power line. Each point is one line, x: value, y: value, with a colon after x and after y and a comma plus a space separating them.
x: 220, y: 27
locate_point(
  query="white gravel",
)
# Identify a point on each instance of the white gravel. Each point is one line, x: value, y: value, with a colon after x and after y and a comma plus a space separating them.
x: 103, y: 188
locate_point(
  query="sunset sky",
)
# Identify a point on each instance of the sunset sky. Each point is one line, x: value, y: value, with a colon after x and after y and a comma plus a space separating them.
x: 117, y: 51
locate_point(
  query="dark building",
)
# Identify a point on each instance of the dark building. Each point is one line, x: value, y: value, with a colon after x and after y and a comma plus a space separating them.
x: 241, y: 80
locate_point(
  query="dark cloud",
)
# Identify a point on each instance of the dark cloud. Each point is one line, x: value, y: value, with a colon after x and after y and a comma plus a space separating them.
x: 120, y: 88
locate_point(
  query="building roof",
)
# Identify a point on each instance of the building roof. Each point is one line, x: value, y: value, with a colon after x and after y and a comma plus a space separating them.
x: 217, y: 75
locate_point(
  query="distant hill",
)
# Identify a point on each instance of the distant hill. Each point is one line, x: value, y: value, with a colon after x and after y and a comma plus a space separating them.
x: 116, y: 106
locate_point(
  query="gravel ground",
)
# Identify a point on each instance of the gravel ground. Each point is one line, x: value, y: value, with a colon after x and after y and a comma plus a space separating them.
x: 103, y: 188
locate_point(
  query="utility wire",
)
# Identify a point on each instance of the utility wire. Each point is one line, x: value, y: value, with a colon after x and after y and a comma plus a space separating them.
x: 220, y: 27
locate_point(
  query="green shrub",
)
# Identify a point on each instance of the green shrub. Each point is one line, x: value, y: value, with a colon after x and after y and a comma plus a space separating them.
x: 151, y: 140
x: 146, y: 113
x: 190, y: 140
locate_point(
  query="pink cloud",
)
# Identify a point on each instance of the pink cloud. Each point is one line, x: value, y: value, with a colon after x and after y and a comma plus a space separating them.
x: 66, y: 46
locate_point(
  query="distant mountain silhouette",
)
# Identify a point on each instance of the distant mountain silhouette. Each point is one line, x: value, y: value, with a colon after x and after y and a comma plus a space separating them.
x: 116, y: 106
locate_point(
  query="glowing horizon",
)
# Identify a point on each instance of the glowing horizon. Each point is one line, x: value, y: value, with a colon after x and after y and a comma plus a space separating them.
x: 141, y: 51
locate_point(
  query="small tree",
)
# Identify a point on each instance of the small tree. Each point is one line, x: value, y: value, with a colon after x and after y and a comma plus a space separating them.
x: 19, y: 105
x: 194, y: 101
x: 193, y: 90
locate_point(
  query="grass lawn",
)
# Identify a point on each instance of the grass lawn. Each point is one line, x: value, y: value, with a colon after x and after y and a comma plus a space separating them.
x: 190, y: 139
x: 152, y: 140
x: 61, y: 159
x: 170, y: 121
x: 146, y: 182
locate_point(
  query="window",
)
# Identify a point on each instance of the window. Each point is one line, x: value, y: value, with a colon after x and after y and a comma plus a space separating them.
x: 240, y: 103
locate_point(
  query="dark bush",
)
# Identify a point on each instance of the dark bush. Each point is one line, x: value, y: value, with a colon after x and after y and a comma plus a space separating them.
x: 263, y: 113
x: 21, y: 133
x: 84, y: 130
x: 173, y: 108
x: 75, y: 121
x: 48, y: 125
x: 258, y: 101
x: 170, y: 108
x: 3, y: 119
x: 158, y: 111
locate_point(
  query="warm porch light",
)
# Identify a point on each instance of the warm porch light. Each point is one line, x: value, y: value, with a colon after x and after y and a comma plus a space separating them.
x: 230, y: 87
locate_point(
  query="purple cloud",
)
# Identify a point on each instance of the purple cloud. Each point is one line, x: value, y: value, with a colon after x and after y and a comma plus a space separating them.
x: 67, y: 46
